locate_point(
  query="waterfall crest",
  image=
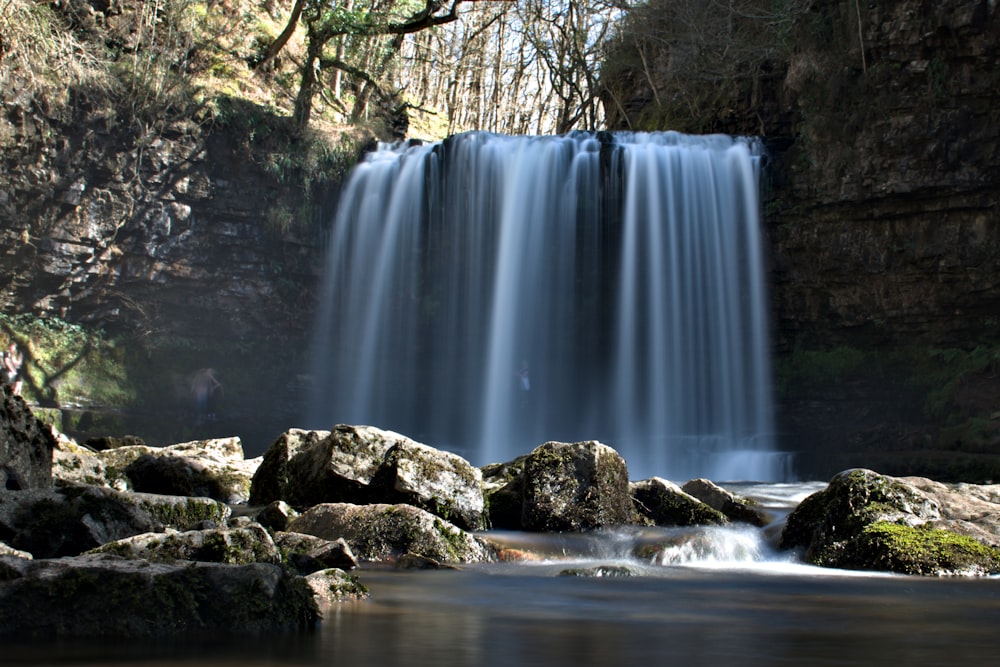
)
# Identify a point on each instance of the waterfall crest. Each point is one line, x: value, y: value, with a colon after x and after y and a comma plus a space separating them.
x: 488, y: 293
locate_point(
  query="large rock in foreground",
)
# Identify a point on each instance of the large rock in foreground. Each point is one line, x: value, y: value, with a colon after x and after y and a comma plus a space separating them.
x: 115, y: 598
x: 572, y: 487
x: 440, y: 482
x: 67, y: 521
x: 363, y: 464
x: 867, y: 521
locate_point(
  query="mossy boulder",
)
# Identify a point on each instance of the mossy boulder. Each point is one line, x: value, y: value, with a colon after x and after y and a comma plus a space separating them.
x: 235, y: 546
x: 270, y: 482
x: 919, y: 550
x: 122, y: 598
x: 734, y: 507
x: 333, y: 585
x: 385, y: 533
x: 67, y: 521
x: 665, y: 504
x: 213, y: 468
x: 275, y: 515
x: 440, y: 482
x: 308, y: 553
x: 503, y: 491
x: 574, y: 487
x: 74, y: 465
x: 864, y: 520
x: 306, y: 468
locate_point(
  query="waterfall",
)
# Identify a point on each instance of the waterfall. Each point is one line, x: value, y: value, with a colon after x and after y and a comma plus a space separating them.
x: 488, y: 293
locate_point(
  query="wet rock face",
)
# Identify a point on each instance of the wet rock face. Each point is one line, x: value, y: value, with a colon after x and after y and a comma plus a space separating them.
x: 882, y: 136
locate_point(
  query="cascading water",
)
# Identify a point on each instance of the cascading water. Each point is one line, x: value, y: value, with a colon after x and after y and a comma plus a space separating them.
x: 488, y: 293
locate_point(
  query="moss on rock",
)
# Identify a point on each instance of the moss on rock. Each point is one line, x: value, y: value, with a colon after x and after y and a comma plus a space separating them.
x: 919, y: 550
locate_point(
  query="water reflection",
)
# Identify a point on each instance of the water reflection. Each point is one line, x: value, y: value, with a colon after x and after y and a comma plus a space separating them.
x: 692, y: 615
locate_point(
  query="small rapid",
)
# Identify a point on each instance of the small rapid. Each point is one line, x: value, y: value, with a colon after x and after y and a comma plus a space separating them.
x: 655, y: 551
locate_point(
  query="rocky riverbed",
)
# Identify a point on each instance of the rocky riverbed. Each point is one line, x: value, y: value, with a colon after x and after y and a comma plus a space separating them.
x: 196, y: 539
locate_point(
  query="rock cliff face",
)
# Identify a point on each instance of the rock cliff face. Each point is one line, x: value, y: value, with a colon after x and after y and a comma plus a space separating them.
x: 174, y: 241
x: 885, y: 229
x: 159, y: 232
x: 885, y: 221
x: 883, y: 123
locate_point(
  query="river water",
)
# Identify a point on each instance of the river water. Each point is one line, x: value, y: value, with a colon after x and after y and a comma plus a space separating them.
x: 713, y: 598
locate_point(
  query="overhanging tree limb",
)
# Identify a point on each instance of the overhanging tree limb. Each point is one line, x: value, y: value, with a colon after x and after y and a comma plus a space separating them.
x: 282, y: 39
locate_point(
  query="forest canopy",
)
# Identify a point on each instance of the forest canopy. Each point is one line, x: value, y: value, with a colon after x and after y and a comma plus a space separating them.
x: 444, y: 66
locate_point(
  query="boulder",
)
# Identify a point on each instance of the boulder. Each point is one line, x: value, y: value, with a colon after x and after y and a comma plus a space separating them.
x: 276, y: 515
x: 66, y: 521
x: 573, y: 487
x: 235, y: 546
x: 385, y: 533
x: 440, y: 482
x: 734, y: 507
x: 25, y: 445
x: 308, y: 553
x: 332, y: 585
x: 867, y: 521
x: 666, y: 504
x: 149, y: 599
x: 214, y: 468
x: 306, y: 468
x: 74, y: 464
x: 10, y: 551
x: 967, y: 509
x: 270, y: 482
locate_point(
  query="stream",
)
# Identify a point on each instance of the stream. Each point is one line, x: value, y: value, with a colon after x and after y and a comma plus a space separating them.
x: 712, y: 597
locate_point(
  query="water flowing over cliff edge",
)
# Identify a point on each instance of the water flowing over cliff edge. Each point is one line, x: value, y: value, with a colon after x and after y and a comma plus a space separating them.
x: 489, y: 293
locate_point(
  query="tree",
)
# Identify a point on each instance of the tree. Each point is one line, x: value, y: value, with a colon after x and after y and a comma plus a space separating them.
x: 529, y: 66
x: 325, y: 21
x: 702, y: 61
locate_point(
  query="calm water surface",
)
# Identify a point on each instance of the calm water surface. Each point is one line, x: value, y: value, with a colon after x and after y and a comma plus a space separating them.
x: 733, y: 602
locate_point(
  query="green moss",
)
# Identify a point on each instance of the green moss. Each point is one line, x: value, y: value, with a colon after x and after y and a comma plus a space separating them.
x: 66, y: 363
x: 454, y: 540
x: 924, y: 550
x: 186, y: 514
